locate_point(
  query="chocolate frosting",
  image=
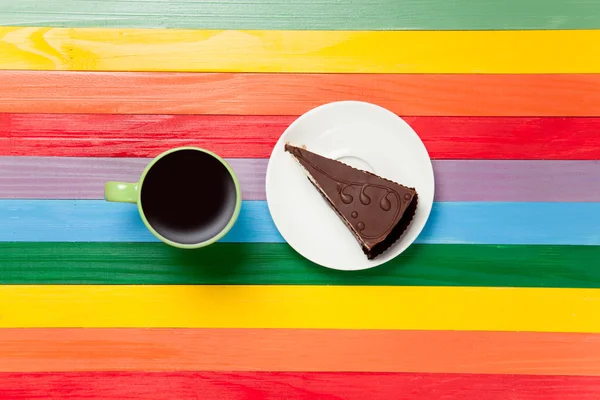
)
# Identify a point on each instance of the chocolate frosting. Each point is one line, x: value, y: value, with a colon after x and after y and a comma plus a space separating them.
x: 371, y: 205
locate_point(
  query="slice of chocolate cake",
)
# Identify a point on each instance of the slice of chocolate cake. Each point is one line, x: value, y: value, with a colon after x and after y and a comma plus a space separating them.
x: 376, y: 210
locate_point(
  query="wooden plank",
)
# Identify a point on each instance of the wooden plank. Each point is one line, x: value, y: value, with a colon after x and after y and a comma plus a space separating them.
x: 307, y: 14
x: 126, y: 135
x: 515, y: 181
x: 278, y: 264
x: 464, y: 180
x: 295, y: 386
x: 293, y: 94
x: 449, y: 222
x: 311, y: 307
x: 84, y: 178
x: 432, y: 52
x: 132, y: 135
x: 61, y: 349
x: 101, y: 221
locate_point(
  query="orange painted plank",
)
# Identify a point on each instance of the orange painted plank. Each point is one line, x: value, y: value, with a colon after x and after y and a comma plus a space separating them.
x: 34, y: 350
x: 293, y: 94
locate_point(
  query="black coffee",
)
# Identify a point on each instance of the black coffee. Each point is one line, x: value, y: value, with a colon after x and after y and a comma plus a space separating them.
x: 188, y: 196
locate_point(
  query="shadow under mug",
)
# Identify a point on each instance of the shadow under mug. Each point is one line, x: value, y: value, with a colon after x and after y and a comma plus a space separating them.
x: 187, y: 197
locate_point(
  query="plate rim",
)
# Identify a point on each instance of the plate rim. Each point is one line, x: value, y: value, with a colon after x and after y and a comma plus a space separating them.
x: 306, y: 115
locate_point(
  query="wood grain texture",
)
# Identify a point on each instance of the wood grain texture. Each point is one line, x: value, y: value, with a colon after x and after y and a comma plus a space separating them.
x: 132, y: 135
x: 307, y: 14
x: 449, y: 222
x: 126, y: 135
x: 84, y: 178
x: 62, y: 349
x: 456, y: 52
x: 311, y: 307
x: 464, y: 180
x: 294, y: 94
x: 279, y: 264
x: 295, y: 386
x: 99, y: 221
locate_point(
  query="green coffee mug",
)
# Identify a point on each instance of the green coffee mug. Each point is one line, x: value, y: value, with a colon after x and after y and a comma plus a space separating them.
x: 187, y: 197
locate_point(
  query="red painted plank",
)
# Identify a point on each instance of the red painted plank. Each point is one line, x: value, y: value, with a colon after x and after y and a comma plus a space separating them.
x: 106, y: 135
x: 137, y: 135
x: 294, y: 386
x: 566, y: 95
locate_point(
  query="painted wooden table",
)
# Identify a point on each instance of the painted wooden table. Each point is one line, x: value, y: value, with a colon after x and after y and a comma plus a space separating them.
x: 499, y: 298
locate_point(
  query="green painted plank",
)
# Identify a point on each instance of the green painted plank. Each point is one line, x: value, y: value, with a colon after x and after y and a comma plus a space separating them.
x: 306, y: 14
x: 229, y: 263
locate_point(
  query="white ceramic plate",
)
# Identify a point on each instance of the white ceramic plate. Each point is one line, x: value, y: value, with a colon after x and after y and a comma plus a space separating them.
x: 364, y: 136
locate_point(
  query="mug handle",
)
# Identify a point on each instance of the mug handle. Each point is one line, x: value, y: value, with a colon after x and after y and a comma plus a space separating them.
x: 121, y: 192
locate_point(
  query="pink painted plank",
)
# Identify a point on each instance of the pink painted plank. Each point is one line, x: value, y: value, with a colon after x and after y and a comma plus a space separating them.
x: 456, y: 180
x: 294, y: 386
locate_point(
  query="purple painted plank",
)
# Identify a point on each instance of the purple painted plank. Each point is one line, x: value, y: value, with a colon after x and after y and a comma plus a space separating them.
x: 456, y: 180
x: 522, y: 180
x: 84, y: 177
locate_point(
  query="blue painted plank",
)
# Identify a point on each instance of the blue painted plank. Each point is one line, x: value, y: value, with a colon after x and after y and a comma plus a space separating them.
x: 100, y: 221
x: 450, y: 222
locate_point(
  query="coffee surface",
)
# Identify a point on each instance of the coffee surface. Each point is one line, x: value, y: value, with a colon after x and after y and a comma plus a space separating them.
x: 188, y: 196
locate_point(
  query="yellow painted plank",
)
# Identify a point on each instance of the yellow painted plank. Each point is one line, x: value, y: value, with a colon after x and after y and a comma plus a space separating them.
x: 280, y: 306
x: 100, y: 49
